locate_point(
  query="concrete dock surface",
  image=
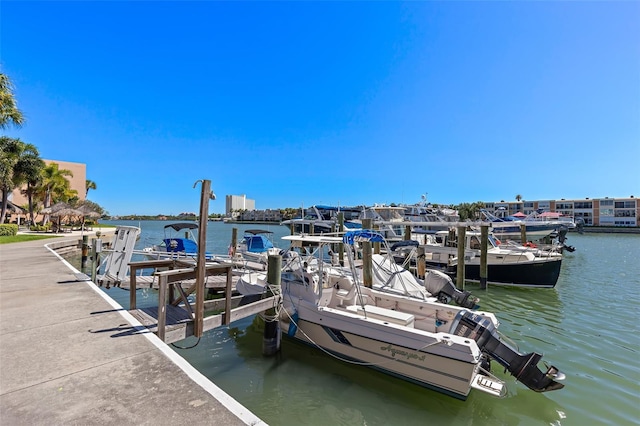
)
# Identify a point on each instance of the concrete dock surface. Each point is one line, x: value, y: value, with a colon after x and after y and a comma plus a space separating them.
x: 70, y: 355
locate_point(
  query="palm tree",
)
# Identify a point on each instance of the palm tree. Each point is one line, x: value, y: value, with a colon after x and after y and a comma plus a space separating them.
x: 89, y: 184
x: 518, y: 197
x: 55, y: 186
x: 9, y: 112
x: 32, y: 173
x: 469, y: 211
x: 19, y: 163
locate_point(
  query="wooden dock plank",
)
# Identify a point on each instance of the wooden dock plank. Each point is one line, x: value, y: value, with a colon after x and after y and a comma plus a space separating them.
x: 180, y: 325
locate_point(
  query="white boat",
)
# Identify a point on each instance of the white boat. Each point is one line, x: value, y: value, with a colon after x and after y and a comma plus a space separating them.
x: 508, y: 263
x: 256, y: 245
x: 319, y: 219
x: 179, y: 241
x: 430, y: 218
x: 537, y: 227
x: 401, y: 332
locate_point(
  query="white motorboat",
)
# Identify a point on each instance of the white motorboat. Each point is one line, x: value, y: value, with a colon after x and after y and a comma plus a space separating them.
x: 509, y: 263
x: 180, y: 241
x: 401, y: 329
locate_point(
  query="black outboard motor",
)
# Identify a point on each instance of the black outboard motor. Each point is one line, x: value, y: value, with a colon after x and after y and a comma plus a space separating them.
x: 441, y: 286
x: 523, y: 367
x: 562, y: 234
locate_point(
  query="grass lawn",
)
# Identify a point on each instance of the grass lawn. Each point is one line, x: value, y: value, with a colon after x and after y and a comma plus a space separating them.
x: 24, y: 237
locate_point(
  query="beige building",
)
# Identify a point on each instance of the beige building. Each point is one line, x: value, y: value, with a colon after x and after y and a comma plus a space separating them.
x: 77, y: 182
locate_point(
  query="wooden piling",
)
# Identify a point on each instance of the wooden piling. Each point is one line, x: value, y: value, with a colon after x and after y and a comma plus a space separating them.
x: 377, y: 245
x: 85, y: 251
x: 421, y: 264
x: 96, y: 248
x: 460, y: 276
x: 234, y: 242
x: 201, y: 260
x: 523, y: 233
x: 484, y: 243
x: 271, y: 336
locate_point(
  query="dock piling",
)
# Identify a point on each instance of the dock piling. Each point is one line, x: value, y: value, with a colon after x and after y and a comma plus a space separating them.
x: 85, y: 251
x: 271, y: 336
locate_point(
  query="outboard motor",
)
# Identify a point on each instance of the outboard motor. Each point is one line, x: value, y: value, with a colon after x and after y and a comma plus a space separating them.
x: 523, y: 367
x: 562, y: 234
x: 441, y: 286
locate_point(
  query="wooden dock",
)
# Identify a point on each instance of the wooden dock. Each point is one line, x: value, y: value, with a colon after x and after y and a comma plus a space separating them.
x: 175, y: 318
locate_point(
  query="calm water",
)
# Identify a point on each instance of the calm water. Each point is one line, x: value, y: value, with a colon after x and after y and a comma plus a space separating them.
x: 587, y: 326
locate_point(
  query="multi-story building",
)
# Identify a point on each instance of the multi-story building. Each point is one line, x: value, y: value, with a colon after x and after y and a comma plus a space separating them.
x: 594, y: 212
x: 261, y: 215
x: 77, y: 182
x: 238, y: 203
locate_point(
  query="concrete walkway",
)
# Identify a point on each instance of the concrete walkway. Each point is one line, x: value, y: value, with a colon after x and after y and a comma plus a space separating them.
x: 64, y: 358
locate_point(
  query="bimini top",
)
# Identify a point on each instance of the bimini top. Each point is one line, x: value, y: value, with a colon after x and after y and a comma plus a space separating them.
x: 257, y: 231
x: 181, y: 225
x: 257, y: 243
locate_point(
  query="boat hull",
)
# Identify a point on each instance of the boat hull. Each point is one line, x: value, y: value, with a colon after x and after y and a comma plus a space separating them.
x: 512, y: 232
x: 445, y: 369
x: 535, y: 274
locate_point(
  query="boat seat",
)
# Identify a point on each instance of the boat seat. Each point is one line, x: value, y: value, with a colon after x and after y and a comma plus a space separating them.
x: 384, y: 314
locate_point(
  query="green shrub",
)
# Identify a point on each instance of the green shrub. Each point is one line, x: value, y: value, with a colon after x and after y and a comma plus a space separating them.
x: 9, y: 229
x: 40, y: 228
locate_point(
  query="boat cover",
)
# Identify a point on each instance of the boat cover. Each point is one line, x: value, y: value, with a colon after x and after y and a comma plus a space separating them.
x: 257, y: 243
x: 181, y: 225
x: 366, y: 235
x: 181, y: 245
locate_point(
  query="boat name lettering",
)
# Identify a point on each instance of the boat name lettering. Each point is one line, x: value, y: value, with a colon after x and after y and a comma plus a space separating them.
x: 403, y: 353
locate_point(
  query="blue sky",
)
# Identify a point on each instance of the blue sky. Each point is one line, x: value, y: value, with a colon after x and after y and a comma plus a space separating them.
x: 300, y: 103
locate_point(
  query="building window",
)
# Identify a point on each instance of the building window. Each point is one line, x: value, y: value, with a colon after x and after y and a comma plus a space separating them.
x: 564, y: 206
x: 625, y: 205
x: 583, y: 205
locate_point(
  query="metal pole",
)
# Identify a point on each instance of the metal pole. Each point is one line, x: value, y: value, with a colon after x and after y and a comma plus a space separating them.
x: 341, y: 230
x: 367, y: 262
x: 460, y: 267
x: 484, y: 268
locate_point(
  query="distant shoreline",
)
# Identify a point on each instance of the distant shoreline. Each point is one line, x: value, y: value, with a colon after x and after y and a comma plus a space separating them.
x: 586, y: 229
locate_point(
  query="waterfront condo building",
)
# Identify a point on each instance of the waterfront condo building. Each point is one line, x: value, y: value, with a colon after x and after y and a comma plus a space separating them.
x: 77, y: 182
x: 236, y: 204
x: 594, y: 212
